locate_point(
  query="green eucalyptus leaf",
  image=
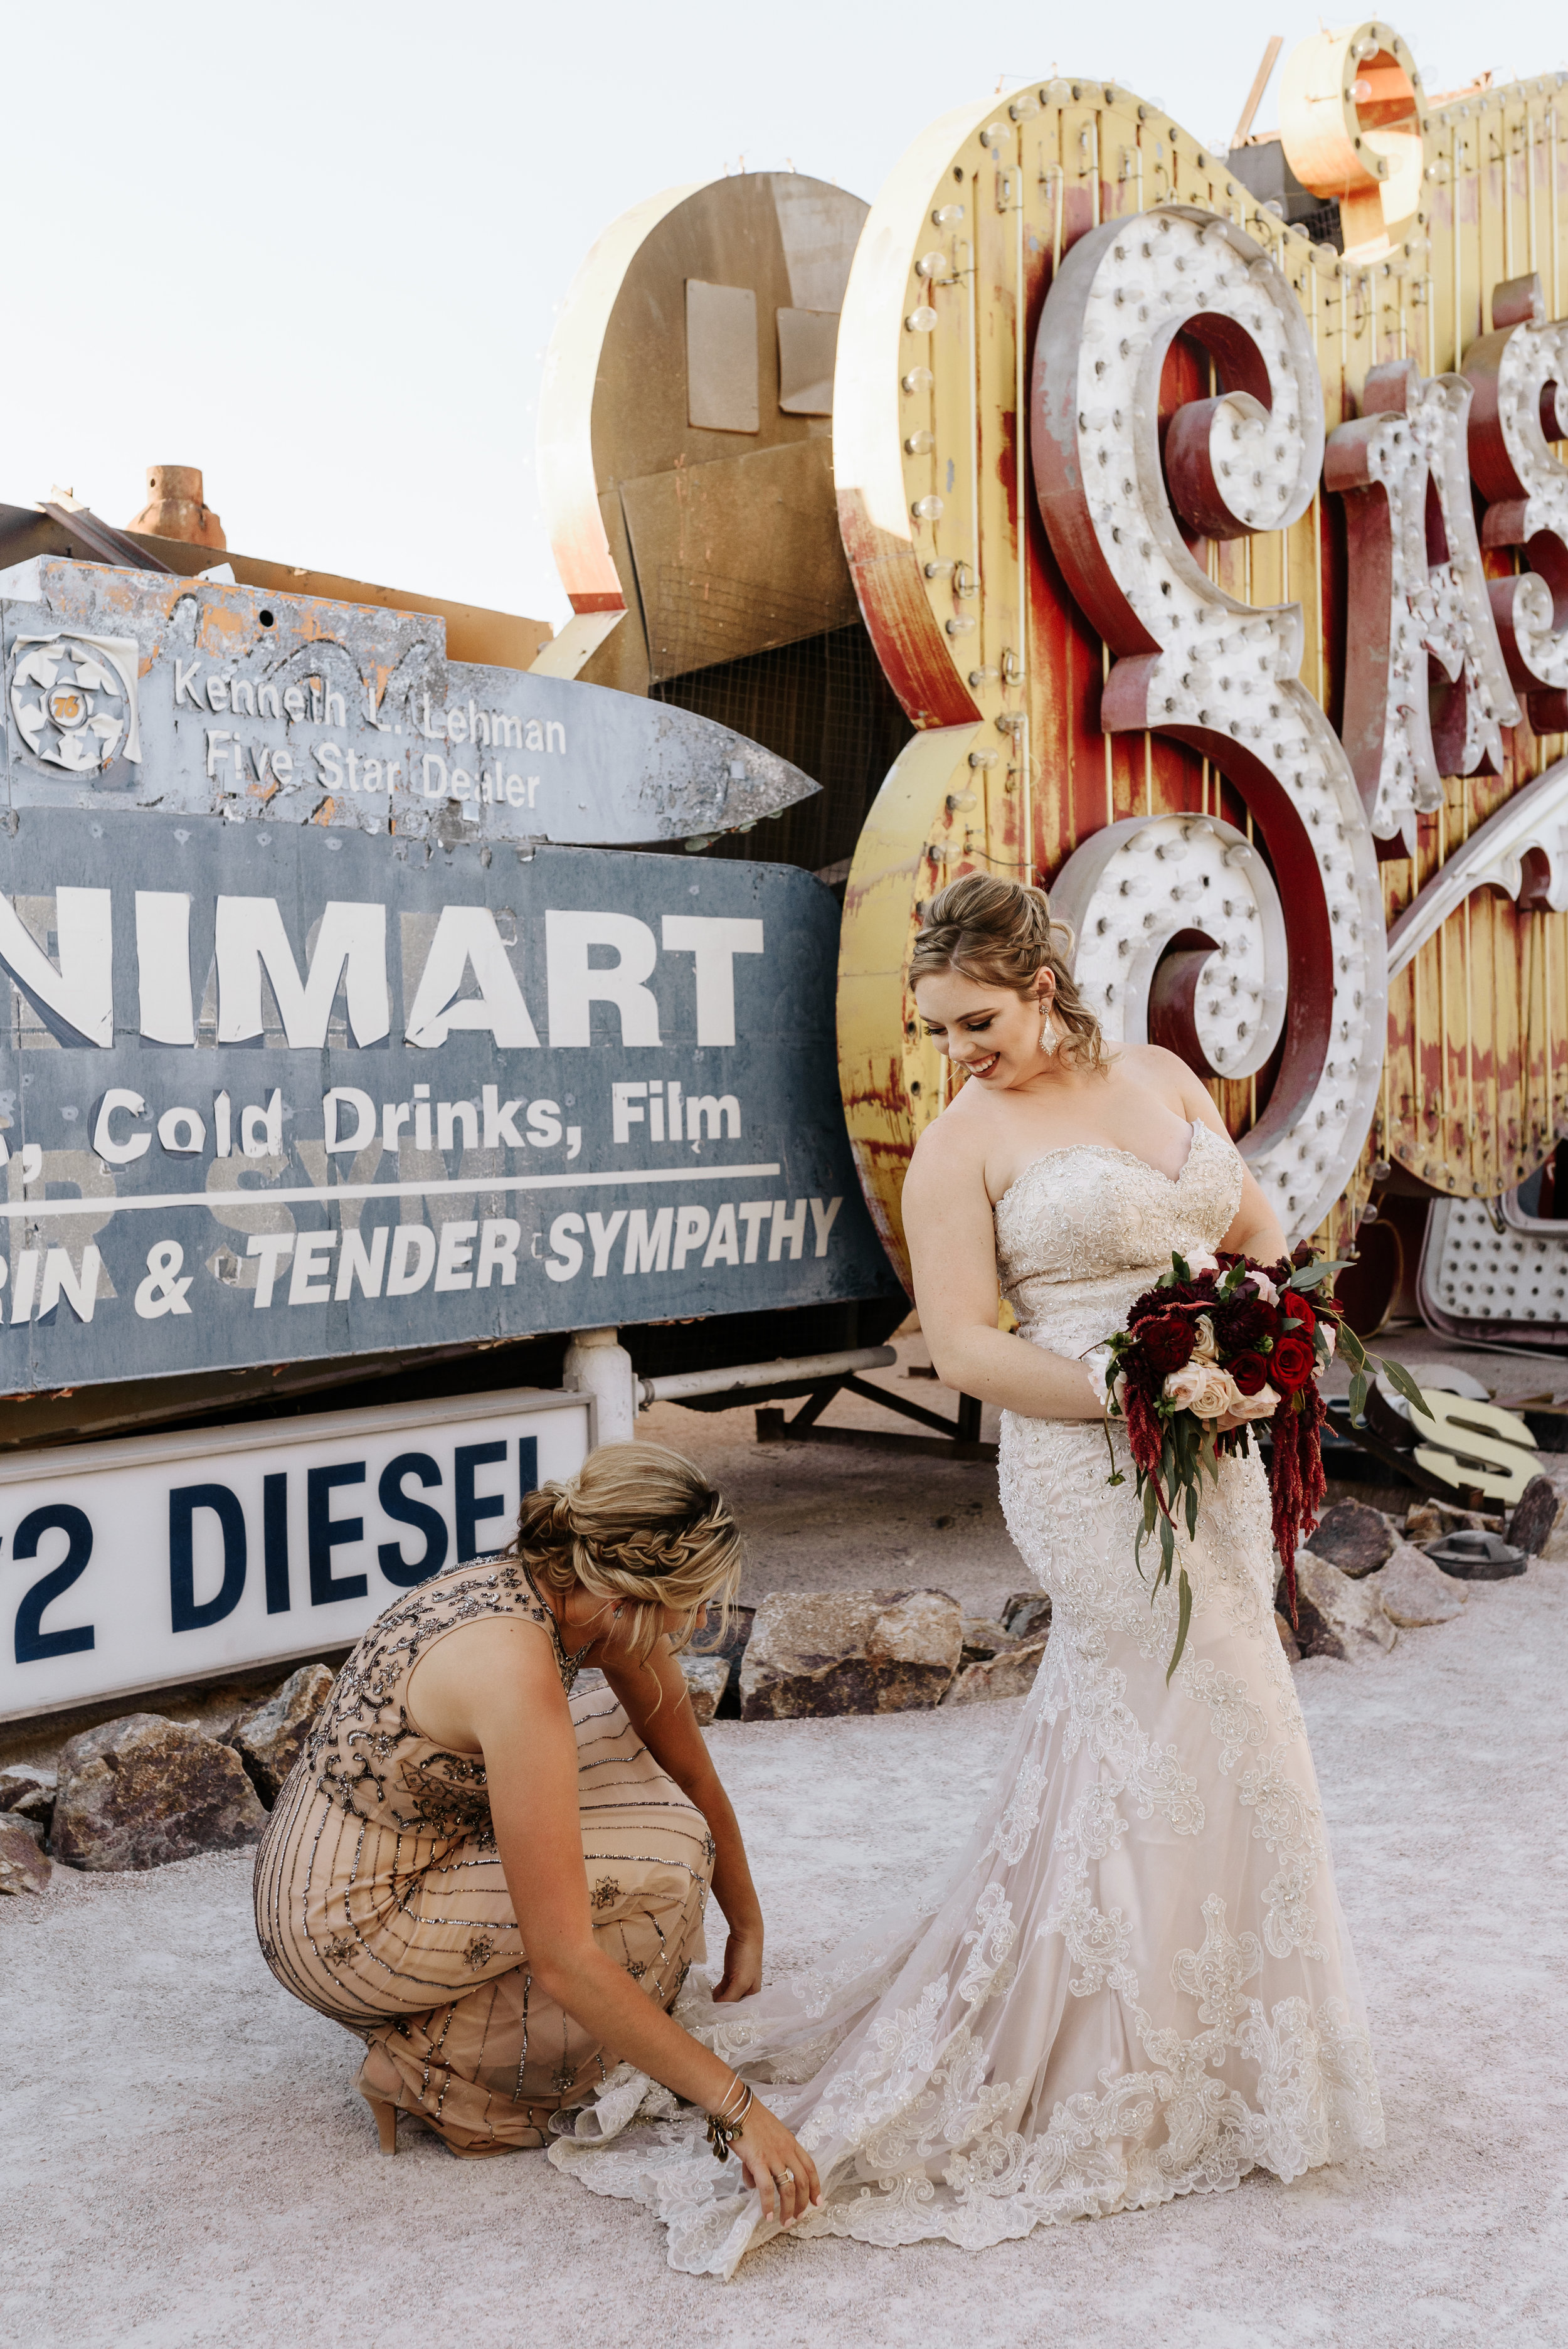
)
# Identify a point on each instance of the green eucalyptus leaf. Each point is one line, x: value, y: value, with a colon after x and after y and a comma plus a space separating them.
x: 1399, y: 1379
x: 1358, y: 1386
x: 1313, y: 1276
x: 1183, y: 1620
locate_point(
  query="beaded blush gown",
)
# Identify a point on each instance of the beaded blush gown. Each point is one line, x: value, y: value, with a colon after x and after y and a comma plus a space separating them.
x: 1135, y: 1982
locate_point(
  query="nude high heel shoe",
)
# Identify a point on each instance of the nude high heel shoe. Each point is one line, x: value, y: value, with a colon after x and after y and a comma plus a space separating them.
x: 385, y: 2115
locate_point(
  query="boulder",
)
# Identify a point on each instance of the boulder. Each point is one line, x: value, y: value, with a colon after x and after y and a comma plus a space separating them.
x: 141, y: 1791
x: 821, y: 1652
x: 726, y: 1644
x: 28, y: 1788
x: 1288, y: 1638
x: 1010, y: 1672
x: 1340, y: 1614
x: 23, y: 1866
x: 269, y: 1740
x: 983, y: 1636
x: 707, y: 1679
x: 1357, y: 1538
x: 1423, y: 1522
x: 1529, y: 1527
x: 1412, y: 1592
x: 1027, y: 1614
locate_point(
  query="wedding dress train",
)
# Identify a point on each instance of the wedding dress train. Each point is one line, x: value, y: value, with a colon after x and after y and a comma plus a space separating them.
x: 1136, y: 1983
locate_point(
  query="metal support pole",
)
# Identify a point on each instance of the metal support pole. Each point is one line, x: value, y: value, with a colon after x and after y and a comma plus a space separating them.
x: 598, y: 1364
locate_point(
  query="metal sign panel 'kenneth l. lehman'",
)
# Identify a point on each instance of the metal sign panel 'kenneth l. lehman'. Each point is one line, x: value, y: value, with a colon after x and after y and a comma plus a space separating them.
x: 136, y: 689
x: 278, y: 1091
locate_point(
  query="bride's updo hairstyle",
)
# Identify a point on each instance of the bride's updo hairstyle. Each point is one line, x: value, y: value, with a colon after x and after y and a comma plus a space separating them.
x: 638, y: 1526
x: 1001, y: 934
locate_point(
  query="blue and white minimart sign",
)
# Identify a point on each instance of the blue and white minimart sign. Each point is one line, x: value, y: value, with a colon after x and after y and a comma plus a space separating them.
x: 276, y: 1092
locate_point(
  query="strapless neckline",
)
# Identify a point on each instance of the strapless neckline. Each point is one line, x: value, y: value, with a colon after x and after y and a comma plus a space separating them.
x: 1108, y: 1150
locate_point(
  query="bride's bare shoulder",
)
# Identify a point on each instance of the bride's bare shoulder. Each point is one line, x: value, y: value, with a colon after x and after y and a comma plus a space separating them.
x: 953, y: 1145
x: 1155, y: 1071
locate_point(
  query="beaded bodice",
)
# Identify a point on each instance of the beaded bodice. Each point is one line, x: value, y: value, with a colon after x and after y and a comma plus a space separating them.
x: 368, y: 1756
x: 1084, y: 1230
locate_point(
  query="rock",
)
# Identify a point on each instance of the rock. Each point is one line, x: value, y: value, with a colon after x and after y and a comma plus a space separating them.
x: 984, y: 1636
x: 1340, y: 1616
x: 1027, y: 1614
x: 1412, y: 1592
x: 22, y: 1867
x: 269, y: 1740
x: 813, y: 1653
x: 1423, y: 1522
x: 141, y: 1791
x: 1286, y: 1638
x: 707, y: 1679
x: 1529, y: 1527
x: 1357, y: 1538
x: 1009, y: 1673
x: 726, y: 1643
x: 28, y: 1788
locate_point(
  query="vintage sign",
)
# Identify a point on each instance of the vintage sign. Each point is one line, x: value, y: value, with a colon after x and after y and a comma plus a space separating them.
x: 1163, y: 518
x: 281, y: 1092
x: 134, y: 1565
x: 137, y: 689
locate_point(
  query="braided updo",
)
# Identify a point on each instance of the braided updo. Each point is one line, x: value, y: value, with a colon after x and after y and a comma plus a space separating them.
x: 639, y: 1526
x: 1002, y: 933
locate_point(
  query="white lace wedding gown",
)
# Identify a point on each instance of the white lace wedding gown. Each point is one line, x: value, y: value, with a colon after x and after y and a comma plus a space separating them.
x: 1136, y: 1981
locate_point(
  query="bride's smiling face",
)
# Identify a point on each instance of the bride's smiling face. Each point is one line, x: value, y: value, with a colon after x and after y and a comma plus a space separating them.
x: 987, y: 1031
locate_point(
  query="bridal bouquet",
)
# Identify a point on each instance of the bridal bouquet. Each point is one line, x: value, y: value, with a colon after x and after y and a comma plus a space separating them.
x: 1221, y: 1338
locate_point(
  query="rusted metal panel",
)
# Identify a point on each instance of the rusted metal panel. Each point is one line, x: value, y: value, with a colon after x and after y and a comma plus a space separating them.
x: 502, y: 639
x: 736, y: 557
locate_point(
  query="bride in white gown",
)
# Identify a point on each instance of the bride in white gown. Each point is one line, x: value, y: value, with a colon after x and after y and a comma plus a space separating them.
x: 1136, y: 1981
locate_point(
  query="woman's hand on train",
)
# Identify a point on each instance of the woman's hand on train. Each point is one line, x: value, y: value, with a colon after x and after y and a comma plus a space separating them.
x: 783, y: 2174
x: 742, y: 1966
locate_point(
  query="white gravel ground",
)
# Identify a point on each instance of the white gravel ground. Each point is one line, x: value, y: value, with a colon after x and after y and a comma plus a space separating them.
x: 184, y: 2160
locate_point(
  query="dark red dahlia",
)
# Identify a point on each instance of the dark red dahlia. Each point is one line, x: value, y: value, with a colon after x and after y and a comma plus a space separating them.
x: 1167, y: 1340
x: 1239, y: 1325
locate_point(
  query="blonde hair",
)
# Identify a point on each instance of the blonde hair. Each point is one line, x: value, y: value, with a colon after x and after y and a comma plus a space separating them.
x: 638, y: 1526
x: 1002, y: 933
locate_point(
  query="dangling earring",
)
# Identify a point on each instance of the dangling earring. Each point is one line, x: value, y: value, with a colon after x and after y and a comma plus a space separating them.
x: 1048, y: 1037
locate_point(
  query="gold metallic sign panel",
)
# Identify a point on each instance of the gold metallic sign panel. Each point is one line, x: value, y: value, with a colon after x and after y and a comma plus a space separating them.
x: 1225, y: 576
x: 685, y: 454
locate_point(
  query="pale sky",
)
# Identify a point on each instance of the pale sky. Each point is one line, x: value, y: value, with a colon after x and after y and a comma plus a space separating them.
x: 317, y: 249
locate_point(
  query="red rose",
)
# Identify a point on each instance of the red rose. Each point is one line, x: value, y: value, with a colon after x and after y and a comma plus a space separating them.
x: 1167, y: 1340
x: 1250, y: 1371
x: 1294, y: 1307
x: 1292, y: 1363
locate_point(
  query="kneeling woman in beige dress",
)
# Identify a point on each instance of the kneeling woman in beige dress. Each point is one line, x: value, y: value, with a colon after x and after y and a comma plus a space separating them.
x: 499, y: 1887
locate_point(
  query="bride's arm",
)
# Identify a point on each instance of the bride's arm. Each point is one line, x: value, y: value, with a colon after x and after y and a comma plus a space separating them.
x: 947, y: 1221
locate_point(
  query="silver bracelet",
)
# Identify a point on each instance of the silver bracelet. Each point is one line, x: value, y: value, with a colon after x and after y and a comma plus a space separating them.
x: 722, y: 2132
